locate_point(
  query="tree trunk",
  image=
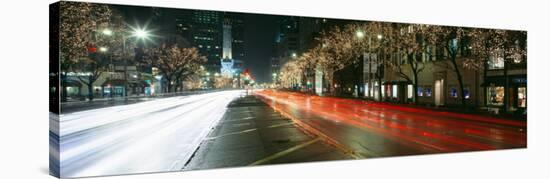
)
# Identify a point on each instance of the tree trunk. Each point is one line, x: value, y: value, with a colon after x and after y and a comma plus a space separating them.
x: 64, y: 87
x: 459, y: 78
x: 359, y: 77
x: 485, y: 66
x: 506, y: 85
x: 415, y: 87
x: 380, y: 88
x: 90, y: 90
x: 168, y: 84
x: 414, y: 70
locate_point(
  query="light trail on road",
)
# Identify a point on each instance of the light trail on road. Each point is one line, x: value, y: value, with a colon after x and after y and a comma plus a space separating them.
x: 392, y: 130
x: 152, y: 136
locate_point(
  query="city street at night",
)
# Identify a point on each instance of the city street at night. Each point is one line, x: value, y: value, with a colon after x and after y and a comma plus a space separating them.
x: 140, y: 89
x: 230, y: 128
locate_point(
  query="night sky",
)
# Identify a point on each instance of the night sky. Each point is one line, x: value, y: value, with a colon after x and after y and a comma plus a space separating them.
x: 259, y: 37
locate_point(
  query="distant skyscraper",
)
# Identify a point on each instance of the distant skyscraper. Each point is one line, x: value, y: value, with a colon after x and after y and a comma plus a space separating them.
x: 204, y: 31
x: 237, y: 35
x: 227, y: 59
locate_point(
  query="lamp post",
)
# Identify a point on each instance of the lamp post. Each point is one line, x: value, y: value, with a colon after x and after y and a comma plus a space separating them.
x: 139, y: 34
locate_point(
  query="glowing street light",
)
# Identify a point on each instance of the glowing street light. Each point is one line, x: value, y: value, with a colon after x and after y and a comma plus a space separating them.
x: 103, y: 49
x: 379, y: 36
x: 141, y: 33
x: 274, y: 74
x: 108, y: 32
x: 360, y: 34
x: 294, y: 55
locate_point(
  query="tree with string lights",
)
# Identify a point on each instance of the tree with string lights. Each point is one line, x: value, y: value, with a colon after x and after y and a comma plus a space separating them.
x: 174, y: 62
x: 77, y: 23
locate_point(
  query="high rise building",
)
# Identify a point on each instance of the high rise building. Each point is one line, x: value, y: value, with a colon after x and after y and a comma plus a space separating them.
x: 237, y: 35
x: 227, y: 58
x: 203, y: 29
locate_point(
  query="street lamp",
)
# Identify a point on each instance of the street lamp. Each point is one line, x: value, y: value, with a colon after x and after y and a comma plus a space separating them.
x: 379, y: 36
x: 107, y: 32
x: 360, y: 34
x: 294, y: 55
x: 103, y: 49
x: 140, y: 33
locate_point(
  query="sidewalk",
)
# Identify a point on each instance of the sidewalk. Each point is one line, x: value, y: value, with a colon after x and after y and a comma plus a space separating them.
x: 252, y: 133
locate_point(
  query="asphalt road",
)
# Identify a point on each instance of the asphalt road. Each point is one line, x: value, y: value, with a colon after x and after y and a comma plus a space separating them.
x: 371, y: 129
x: 225, y: 129
x: 252, y: 133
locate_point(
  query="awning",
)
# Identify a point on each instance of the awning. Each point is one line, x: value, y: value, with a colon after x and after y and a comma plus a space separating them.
x: 71, y: 82
x: 139, y: 84
x: 113, y: 83
x: 122, y: 83
x: 494, y: 81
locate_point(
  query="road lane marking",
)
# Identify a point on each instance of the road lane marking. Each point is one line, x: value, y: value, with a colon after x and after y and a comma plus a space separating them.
x: 231, y: 133
x: 312, y: 130
x: 248, y: 130
x: 285, y: 152
x: 279, y: 125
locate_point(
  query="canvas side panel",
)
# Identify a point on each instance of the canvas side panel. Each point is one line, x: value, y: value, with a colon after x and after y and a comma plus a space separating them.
x: 54, y: 89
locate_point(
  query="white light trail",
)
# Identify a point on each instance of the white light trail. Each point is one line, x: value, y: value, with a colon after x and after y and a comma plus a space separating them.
x: 152, y: 136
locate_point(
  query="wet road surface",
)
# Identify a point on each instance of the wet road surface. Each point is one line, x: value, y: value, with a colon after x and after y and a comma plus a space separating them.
x: 372, y: 129
x: 252, y: 133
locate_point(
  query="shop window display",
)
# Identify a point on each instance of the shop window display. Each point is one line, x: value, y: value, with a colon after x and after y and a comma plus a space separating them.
x: 495, y: 95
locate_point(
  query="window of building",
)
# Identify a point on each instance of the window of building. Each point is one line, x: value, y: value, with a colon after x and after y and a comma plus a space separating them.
x: 410, y: 91
x: 495, y: 95
x: 454, y: 92
x: 522, y: 97
x: 394, y: 91
x: 466, y: 93
x: 419, y: 91
x: 428, y: 91
x: 496, y: 62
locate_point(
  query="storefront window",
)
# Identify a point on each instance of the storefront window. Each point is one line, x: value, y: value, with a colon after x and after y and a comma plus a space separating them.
x: 466, y: 93
x: 495, y: 95
x: 410, y: 92
x: 394, y: 94
x: 454, y: 93
x: 522, y: 97
x: 428, y: 91
x: 419, y: 91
